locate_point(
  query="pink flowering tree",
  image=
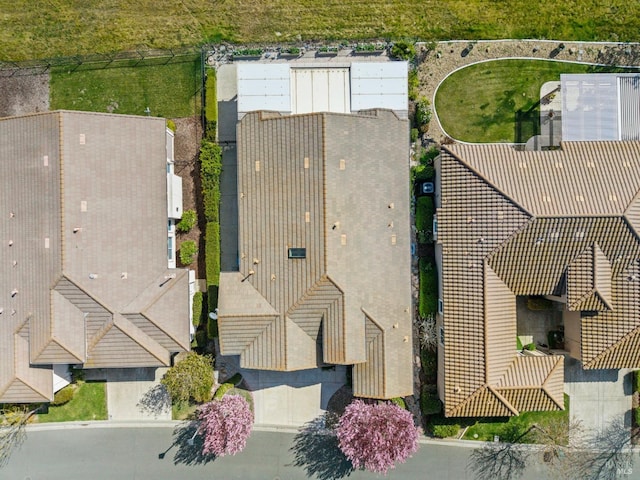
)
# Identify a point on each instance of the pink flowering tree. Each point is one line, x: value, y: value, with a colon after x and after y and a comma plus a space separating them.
x: 225, y: 425
x: 376, y: 436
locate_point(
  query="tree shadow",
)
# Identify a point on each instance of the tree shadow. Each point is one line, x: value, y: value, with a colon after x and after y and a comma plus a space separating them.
x: 316, y: 450
x: 190, y: 445
x: 498, y: 461
x: 155, y: 401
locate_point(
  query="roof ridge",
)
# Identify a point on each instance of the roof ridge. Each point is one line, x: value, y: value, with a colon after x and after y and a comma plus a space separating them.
x: 127, y: 327
x: 504, y: 401
x: 631, y: 333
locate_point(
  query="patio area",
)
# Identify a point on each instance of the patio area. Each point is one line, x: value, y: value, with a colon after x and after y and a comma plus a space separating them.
x: 536, y: 319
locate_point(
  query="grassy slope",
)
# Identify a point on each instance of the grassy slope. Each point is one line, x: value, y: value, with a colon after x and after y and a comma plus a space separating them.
x: 168, y: 90
x: 89, y: 403
x: 479, y: 103
x: 75, y: 27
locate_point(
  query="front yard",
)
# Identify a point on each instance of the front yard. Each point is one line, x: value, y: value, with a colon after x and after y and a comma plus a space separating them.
x: 88, y: 403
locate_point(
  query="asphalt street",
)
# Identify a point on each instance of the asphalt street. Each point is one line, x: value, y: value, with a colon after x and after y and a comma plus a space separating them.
x: 161, y: 453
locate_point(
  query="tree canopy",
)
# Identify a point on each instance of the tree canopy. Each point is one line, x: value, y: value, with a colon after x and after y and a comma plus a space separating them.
x: 226, y: 424
x: 191, y: 378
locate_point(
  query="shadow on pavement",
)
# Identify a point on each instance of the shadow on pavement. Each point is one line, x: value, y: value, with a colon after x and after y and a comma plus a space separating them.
x: 189, y: 445
x: 155, y: 401
x: 316, y: 450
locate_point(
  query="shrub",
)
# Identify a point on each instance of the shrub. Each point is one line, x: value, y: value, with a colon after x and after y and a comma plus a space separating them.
x: 414, y: 135
x: 201, y: 338
x: 212, y: 258
x: 444, y: 431
x: 429, y: 362
x: 222, y: 390
x: 414, y: 84
x: 399, y: 401
x: 423, y: 172
x: 637, y: 380
x: 429, y: 402
x: 423, y: 114
x: 225, y: 424
x: 210, y: 170
x: 197, y: 309
x: 64, y: 395
x: 235, y: 379
x: 188, y: 252
x: 191, y: 378
x: 211, y: 106
x: 403, y: 51
x: 636, y: 413
x: 424, y: 214
x: 428, y: 302
x: 530, y: 346
x: 171, y: 125
x: 429, y: 155
x: 376, y: 436
x: 188, y: 221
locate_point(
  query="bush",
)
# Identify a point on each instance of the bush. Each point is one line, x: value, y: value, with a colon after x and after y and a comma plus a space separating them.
x: 422, y: 172
x: 399, y: 401
x: 636, y: 375
x: 414, y: 135
x: 414, y: 84
x: 444, y: 431
x: 188, y: 252
x: 171, y: 125
x: 636, y: 414
x: 64, y: 395
x: 429, y: 402
x: 222, y: 390
x: 428, y: 302
x: 197, y: 309
x: 211, y: 106
x: 429, y: 155
x: 212, y: 258
x: 429, y: 362
x: 210, y: 170
x: 424, y: 214
x: 403, y: 51
x: 235, y: 379
x: 423, y: 114
x: 530, y: 346
x: 201, y: 338
x: 190, y: 378
x: 188, y: 221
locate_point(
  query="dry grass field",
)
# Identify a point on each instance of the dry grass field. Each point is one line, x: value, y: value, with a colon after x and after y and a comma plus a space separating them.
x: 52, y: 28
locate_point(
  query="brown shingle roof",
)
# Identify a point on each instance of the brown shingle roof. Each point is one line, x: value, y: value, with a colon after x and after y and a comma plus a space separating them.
x: 82, y: 241
x: 337, y: 186
x: 535, y: 223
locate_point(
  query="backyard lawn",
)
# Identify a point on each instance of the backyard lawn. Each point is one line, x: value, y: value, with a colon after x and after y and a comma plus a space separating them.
x: 88, y: 403
x: 497, y: 101
x: 70, y: 28
x: 170, y: 91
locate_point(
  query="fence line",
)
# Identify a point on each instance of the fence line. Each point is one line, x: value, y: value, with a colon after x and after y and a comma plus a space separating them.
x: 97, y: 61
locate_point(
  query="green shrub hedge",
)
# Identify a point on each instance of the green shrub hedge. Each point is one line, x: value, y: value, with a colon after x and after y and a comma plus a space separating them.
x: 222, y: 390
x: 171, y: 125
x: 188, y: 252
x: 428, y: 302
x: 399, y: 401
x: 403, y: 51
x: 197, y: 309
x: 414, y: 84
x: 423, y: 114
x: 64, y: 395
x: 211, y: 106
x: 212, y: 256
x: 210, y: 170
x: 636, y: 375
x: 188, y: 221
x: 429, y: 402
x: 444, y: 431
x: 424, y: 214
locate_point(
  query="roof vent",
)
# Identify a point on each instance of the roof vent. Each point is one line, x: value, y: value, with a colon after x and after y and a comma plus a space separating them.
x: 15, y: 263
x: 579, y: 235
x: 77, y: 229
x: 481, y: 240
x: 93, y: 276
x: 11, y: 214
x: 256, y: 261
x: 10, y: 243
x: 306, y: 162
x: 45, y: 160
x: 123, y: 275
x: 14, y: 292
x: 391, y: 206
x: 613, y: 197
x: 579, y: 198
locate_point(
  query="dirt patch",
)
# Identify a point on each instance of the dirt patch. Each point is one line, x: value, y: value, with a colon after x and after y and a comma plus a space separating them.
x: 186, y: 147
x: 23, y: 94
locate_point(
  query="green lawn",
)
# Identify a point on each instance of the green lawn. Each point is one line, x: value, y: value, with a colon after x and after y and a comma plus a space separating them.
x: 72, y: 27
x: 171, y: 90
x: 487, y: 429
x: 89, y: 403
x: 497, y: 101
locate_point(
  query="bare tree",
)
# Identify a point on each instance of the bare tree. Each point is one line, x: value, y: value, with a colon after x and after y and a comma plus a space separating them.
x: 607, y: 453
x: 427, y: 332
x: 504, y: 460
x: 12, y: 430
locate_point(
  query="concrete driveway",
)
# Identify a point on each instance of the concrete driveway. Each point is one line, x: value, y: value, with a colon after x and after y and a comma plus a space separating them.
x: 598, y: 396
x: 136, y: 394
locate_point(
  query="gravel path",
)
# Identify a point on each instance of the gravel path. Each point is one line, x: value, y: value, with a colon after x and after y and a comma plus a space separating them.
x: 437, y: 60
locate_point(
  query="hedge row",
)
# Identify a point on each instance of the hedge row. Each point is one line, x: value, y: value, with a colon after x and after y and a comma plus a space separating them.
x: 424, y: 214
x: 210, y: 170
x: 211, y: 106
x: 212, y: 256
x: 428, y: 288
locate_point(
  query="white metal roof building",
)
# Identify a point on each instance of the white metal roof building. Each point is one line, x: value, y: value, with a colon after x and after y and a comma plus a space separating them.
x: 321, y: 87
x: 600, y: 106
